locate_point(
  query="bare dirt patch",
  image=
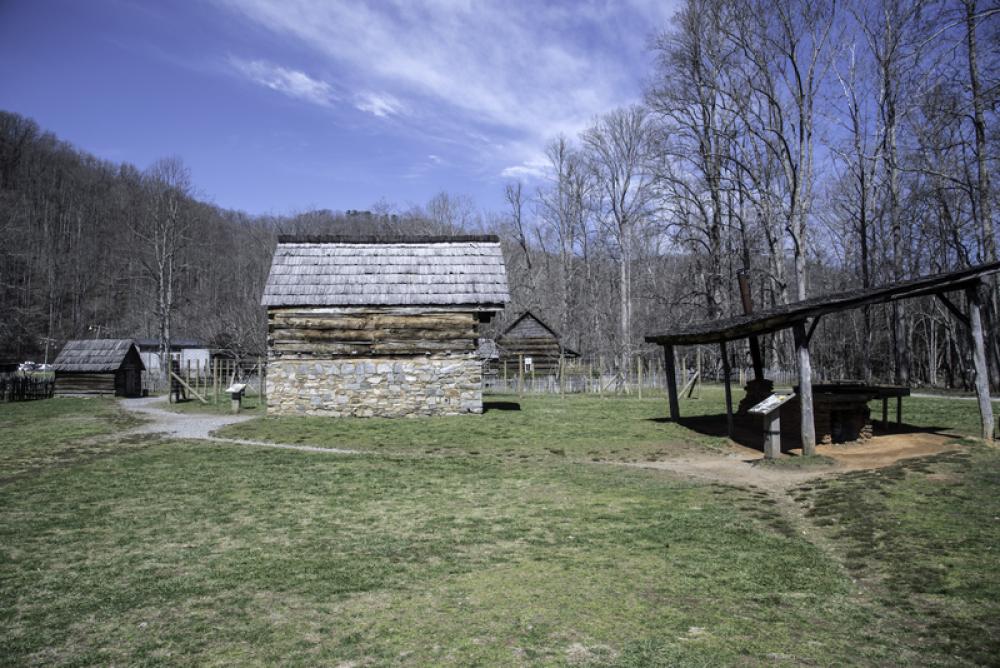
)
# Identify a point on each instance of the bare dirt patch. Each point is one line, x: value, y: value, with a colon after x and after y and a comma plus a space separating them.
x: 884, y: 451
x: 737, y: 465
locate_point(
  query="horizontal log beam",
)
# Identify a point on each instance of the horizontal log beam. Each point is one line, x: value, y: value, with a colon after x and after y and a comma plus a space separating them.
x: 366, y: 335
x: 372, y: 348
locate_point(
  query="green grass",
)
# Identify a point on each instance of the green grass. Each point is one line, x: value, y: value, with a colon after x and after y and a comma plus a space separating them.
x: 250, y: 405
x: 923, y: 534
x: 169, y: 552
x: 219, y: 555
x: 50, y: 431
x: 580, y: 427
x: 950, y: 415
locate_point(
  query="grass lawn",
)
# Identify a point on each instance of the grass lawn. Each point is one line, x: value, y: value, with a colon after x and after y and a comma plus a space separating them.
x: 580, y: 427
x: 204, y: 553
x: 49, y: 432
x: 251, y: 405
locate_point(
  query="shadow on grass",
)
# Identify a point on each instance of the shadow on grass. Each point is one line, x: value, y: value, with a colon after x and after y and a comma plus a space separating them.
x: 748, y: 430
x: 501, y: 406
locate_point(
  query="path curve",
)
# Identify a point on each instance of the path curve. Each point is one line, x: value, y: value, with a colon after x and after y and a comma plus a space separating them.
x: 201, y: 426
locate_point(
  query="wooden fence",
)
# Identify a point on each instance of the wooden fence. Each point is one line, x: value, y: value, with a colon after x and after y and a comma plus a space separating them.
x: 642, y: 376
x: 209, y: 381
x: 26, y: 387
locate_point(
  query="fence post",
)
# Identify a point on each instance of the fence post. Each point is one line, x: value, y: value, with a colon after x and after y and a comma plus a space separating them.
x: 520, y: 375
x: 639, y: 372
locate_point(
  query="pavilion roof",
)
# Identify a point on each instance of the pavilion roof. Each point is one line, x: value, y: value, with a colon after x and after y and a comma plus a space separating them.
x: 782, y: 317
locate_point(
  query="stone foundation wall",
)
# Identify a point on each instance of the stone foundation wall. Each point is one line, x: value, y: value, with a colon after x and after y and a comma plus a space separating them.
x: 375, y: 387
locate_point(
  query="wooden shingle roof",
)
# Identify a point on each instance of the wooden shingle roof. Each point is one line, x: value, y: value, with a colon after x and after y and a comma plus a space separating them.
x: 416, y: 271
x: 93, y: 355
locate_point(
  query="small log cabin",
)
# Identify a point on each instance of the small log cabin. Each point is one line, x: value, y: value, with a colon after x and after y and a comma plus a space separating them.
x: 531, y: 342
x: 368, y: 327
x: 109, y: 367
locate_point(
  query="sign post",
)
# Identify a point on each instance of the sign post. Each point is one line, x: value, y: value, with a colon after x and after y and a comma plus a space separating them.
x: 770, y: 410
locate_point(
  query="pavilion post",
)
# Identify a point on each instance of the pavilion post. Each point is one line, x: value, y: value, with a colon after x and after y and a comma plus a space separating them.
x: 671, y: 374
x: 805, y: 388
x: 726, y: 371
x: 975, y: 297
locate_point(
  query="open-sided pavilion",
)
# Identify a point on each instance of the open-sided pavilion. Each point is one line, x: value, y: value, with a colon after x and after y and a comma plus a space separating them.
x: 802, y: 318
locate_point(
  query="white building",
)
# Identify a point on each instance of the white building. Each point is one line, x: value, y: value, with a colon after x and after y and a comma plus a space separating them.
x: 185, y: 351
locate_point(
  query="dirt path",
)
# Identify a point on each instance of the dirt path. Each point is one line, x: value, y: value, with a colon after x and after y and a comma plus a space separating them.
x: 742, y: 466
x: 201, y: 426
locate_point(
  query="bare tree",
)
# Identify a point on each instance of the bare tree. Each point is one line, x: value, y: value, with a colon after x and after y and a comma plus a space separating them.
x: 164, y: 232
x: 562, y: 206
x: 619, y: 153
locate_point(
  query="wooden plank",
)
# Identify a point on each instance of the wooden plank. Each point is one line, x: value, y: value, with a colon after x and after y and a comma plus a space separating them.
x: 726, y: 372
x: 418, y: 347
x: 191, y: 389
x: 334, y: 335
x: 689, y: 385
x: 975, y: 297
x: 671, y: 378
x: 370, y: 348
x: 808, y: 426
x: 375, y: 321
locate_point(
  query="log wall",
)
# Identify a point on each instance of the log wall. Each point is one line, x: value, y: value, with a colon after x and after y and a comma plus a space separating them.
x: 70, y: 384
x: 323, y: 333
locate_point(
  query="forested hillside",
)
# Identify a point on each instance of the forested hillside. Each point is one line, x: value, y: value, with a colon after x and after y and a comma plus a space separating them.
x: 817, y: 150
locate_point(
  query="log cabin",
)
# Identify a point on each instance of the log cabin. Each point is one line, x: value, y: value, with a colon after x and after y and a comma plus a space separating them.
x: 99, y: 367
x: 369, y: 327
x: 531, y: 342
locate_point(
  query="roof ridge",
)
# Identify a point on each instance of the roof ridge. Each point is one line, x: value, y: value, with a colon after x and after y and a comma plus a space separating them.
x: 385, y: 239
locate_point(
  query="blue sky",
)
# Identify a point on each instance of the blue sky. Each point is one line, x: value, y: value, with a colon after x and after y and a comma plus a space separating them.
x: 288, y: 105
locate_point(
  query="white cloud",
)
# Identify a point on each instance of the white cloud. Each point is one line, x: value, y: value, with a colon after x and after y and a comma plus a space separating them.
x: 379, y: 104
x: 515, y: 73
x: 529, y: 170
x: 290, y: 82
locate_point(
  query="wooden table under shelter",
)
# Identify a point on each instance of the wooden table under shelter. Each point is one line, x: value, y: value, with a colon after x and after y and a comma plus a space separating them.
x: 802, y: 317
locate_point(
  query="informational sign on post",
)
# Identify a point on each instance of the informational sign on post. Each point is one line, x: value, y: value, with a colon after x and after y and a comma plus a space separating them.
x: 772, y: 422
x: 771, y: 404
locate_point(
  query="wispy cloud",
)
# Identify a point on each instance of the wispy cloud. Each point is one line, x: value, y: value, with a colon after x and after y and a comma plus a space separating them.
x: 292, y: 83
x: 516, y: 74
x: 379, y: 104
x: 531, y: 169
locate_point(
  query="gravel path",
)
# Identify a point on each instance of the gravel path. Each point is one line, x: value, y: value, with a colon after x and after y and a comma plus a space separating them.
x: 200, y: 426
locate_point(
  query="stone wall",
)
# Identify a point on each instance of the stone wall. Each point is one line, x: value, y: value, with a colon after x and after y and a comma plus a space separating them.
x: 375, y: 387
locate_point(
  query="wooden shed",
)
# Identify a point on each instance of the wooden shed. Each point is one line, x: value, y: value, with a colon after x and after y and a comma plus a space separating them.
x: 374, y: 327
x: 531, y: 342
x: 110, y: 367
